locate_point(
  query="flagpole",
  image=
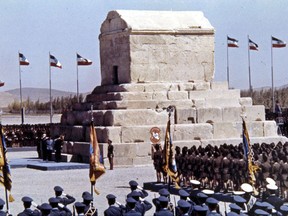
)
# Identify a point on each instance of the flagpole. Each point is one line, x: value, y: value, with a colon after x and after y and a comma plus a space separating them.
x: 227, y: 63
x: 249, y: 69
x: 77, y: 78
x: 272, y: 78
x: 21, y: 101
x: 50, y: 91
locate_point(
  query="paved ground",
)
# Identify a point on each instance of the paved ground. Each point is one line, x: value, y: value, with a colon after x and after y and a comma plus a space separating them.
x: 39, y: 184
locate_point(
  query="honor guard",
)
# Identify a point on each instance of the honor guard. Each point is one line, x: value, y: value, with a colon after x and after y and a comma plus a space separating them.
x: 164, y: 211
x: 27, y: 203
x: 58, y: 209
x: 195, y: 189
x: 88, y: 202
x: 131, y: 203
x: 183, y: 196
x: 80, y: 207
x: 163, y: 192
x: 184, y: 207
x: 240, y: 201
x: 250, y: 199
x: 134, y: 186
x: 272, y: 198
x: 65, y: 199
x: 142, y: 205
x: 113, y: 209
x: 200, y: 210
x: 45, y: 209
x: 213, y: 208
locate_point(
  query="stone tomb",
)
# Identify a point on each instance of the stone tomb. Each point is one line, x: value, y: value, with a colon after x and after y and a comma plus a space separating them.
x: 149, y: 61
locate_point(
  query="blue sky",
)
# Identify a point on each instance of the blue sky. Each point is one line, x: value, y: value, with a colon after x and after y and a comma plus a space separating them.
x: 64, y: 27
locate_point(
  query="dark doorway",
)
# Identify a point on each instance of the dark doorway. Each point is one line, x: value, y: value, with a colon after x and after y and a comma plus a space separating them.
x: 115, y: 75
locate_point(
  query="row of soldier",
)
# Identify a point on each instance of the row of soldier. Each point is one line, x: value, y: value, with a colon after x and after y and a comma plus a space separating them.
x: 225, y: 168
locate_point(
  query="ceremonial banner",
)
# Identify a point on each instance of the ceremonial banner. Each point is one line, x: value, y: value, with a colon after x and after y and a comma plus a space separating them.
x: 169, y: 166
x: 5, y: 174
x: 97, y: 169
x: 277, y: 43
x: 253, y: 45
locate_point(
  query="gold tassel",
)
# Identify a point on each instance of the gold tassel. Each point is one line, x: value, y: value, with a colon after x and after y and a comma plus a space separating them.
x: 96, y: 191
x: 11, y: 198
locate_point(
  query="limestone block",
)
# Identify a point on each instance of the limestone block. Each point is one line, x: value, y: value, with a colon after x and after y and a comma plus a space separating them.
x: 143, y: 149
x: 133, y: 87
x: 138, y: 161
x: 255, y: 113
x: 80, y: 148
x: 77, y: 133
x: 188, y: 143
x: 222, y: 102
x: 177, y: 103
x: 140, y: 133
x: 227, y: 130
x: 201, y: 86
x: 163, y: 95
x: 123, y: 161
x: 219, y: 85
x: 125, y: 150
x: 127, y: 117
x: 177, y: 95
x: 186, y: 115
x: 136, y: 95
x: 215, y: 94
x: 192, y: 131
x: 198, y: 103
x: 255, y: 128
x: 270, y: 128
x: 209, y: 115
x: 245, y: 101
x: 231, y: 114
x: 186, y: 86
x: 112, y: 133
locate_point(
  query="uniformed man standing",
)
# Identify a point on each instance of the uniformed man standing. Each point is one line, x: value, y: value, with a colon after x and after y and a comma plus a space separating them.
x: 65, y: 199
x: 27, y: 203
x: 113, y: 210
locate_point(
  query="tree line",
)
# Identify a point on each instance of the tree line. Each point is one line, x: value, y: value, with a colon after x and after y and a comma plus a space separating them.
x: 59, y: 104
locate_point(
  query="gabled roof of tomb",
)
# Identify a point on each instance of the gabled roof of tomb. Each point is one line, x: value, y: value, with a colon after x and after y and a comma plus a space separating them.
x: 160, y: 21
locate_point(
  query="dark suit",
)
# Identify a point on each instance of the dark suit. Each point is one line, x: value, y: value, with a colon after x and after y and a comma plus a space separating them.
x: 113, y: 211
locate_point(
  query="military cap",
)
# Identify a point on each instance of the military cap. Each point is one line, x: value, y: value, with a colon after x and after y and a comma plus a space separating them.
x: 232, y: 214
x: 201, y: 195
x: 84, y: 193
x: 183, y: 193
x: 247, y: 188
x: 270, y: 181
x: 133, y: 183
x: 235, y: 207
x: 53, y: 200
x: 88, y: 197
x: 272, y: 187
x: 239, y: 193
x: 131, y: 200
x: 199, y: 208
x: 135, y: 193
x: 26, y: 199
x: 195, y: 182
x: 239, y: 199
x: 164, y: 192
x: 163, y: 199
x: 183, y: 204
x: 45, y: 207
x: 208, y: 192
x: 260, y: 205
x: 212, y: 201
x: 260, y: 212
x: 268, y: 205
x: 284, y: 208
x: 2, y: 202
x: 58, y: 188
x: 110, y: 196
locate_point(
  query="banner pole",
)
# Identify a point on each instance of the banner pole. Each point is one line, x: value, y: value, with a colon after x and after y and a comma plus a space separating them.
x: 77, y: 78
x: 50, y: 91
x: 227, y: 63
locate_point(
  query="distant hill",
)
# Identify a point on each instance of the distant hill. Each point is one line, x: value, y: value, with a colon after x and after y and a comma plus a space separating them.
x: 34, y: 94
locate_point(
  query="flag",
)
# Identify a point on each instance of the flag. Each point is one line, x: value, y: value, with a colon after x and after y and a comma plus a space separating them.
x: 277, y: 43
x: 5, y: 174
x: 253, y: 45
x: 83, y: 61
x: 246, y: 140
x: 54, y: 62
x: 97, y: 168
x: 23, y: 60
x: 169, y: 166
x: 231, y: 42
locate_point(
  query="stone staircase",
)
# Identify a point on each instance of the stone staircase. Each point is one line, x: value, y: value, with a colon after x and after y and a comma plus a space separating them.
x: 205, y: 113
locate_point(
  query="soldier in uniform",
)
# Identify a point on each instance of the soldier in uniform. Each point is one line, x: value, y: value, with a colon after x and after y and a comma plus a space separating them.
x: 134, y: 186
x: 164, y: 211
x: 113, y: 210
x: 110, y: 153
x: 58, y: 144
x: 57, y: 210
x: 130, y: 206
x: 284, y: 178
x: 65, y: 199
x: 184, y: 207
x: 157, y: 157
x: 88, y: 202
x: 272, y: 198
x: 213, y: 208
x: 45, y: 209
x: 142, y: 205
x: 79, y: 208
x: 27, y: 203
x: 155, y: 201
